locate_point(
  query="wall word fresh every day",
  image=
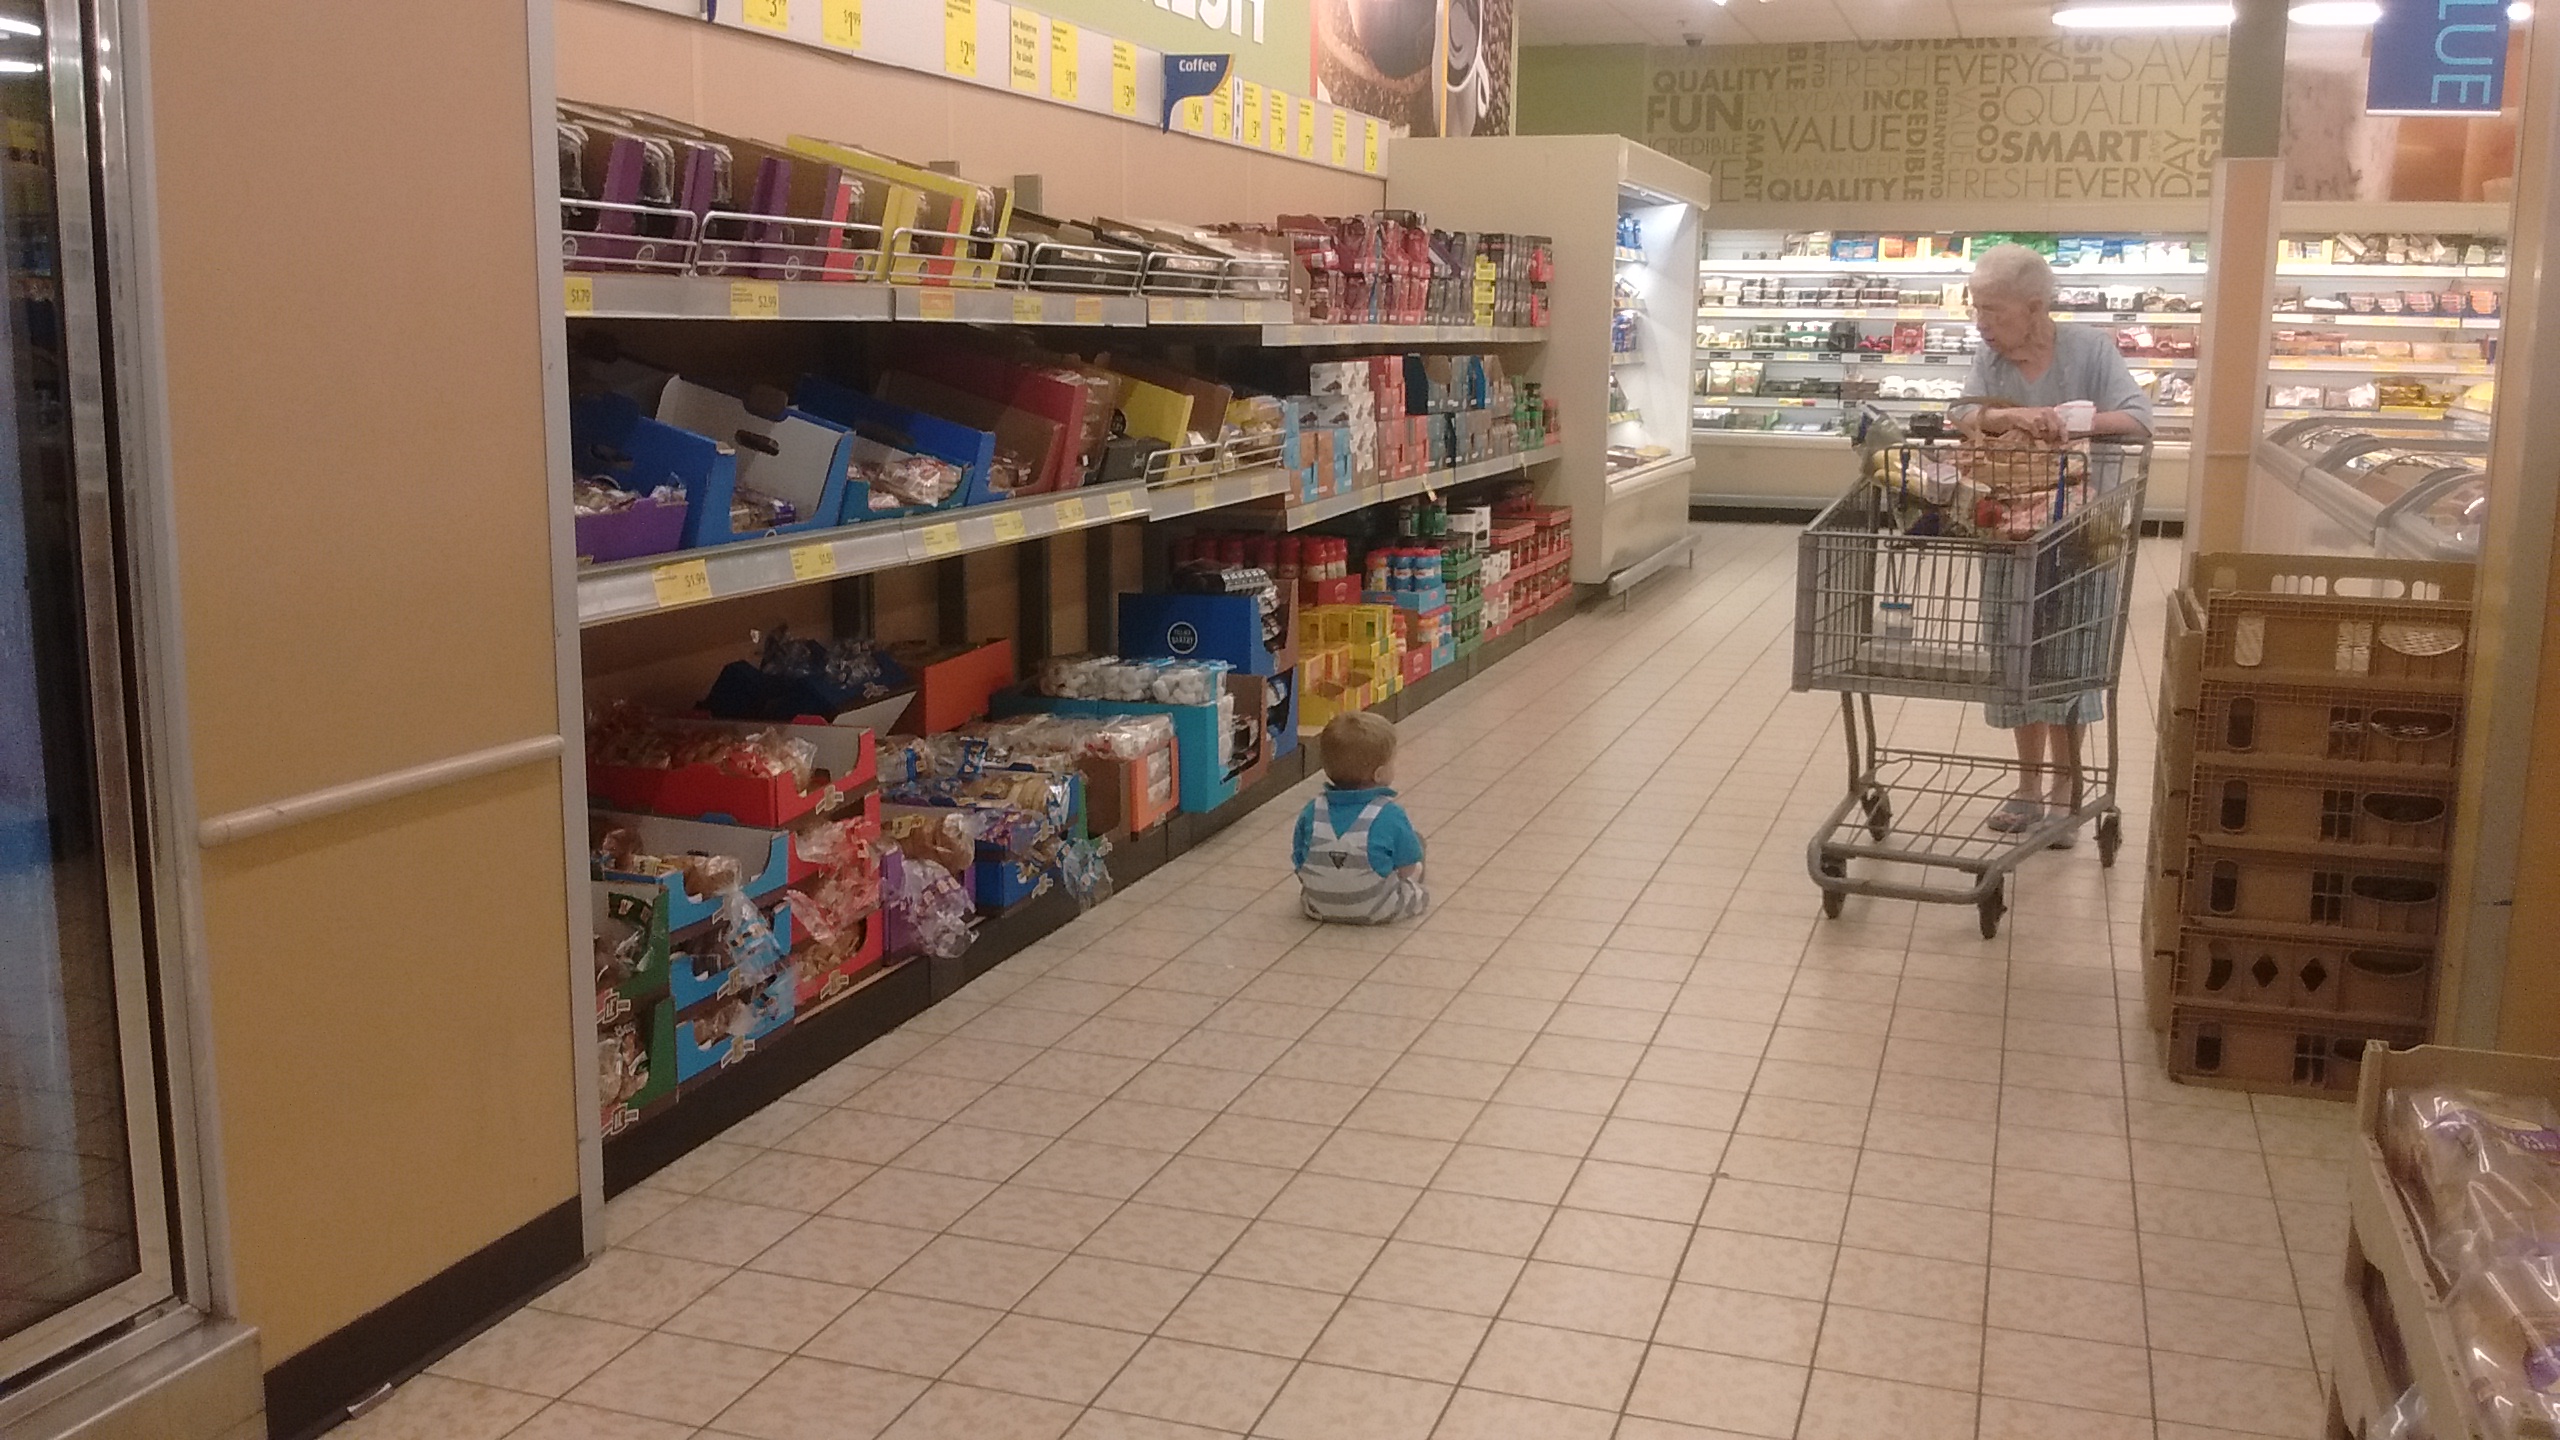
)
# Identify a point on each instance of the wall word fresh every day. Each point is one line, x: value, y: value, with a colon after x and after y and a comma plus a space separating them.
x: 2017, y: 118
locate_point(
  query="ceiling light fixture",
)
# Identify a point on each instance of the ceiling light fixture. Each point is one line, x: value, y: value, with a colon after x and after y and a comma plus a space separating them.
x: 2338, y: 14
x: 2520, y: 12
x: 2143, y: 17
x: 20, y: 67
x: 11, y: 26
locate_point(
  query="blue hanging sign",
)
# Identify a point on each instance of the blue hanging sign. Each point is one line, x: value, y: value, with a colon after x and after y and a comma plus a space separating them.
x: 1192, y: 77
x: 2438, y: 57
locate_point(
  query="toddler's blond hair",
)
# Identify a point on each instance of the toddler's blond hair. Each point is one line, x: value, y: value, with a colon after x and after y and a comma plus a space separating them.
x: 1356, y: 746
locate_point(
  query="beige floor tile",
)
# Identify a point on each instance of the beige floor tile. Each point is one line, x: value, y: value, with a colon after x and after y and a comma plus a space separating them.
x: 1724, y: 1393
x: 1299, y: 1255
x: 538, y: 1352
x: 913, y: 1199
x: 806, y: 1183
x: 1639, y: 1190
x: 812, y: 1400
x: 1117, y: 1293
x: 1197, y: 1385
x: 2091, y: 1252
x: 770, y: 1312
x: 1853, y: 1407
x: 562, y: 1420
x: 1565, y: 1366
x: 1161, y: 1235
x: 1507, y: 1174
x: 1936, y: 1231
x: 2263, y: 1334
x: 1628, y: 1141
x: 1741, y: 1322
x: 1325, y: 1402
x: 2004, y: 1419
x: 1599, y: 1302
x: 1022, y: 1214
x: 1252, y: 1315
x: 1782, y: 1210
x: 1400, y: 1340
x: 1221, y: 1187
x: 1626, y: 1243
x: 1332, y: 1202
x: 2233, y: 1394
x: 1113, y: 1172
x: 1909, y: 1285
x: 2235, y: 1272
x: 2054, y: 1370
x: 628, y: 1287
x: 1435, y: 1277
x: 433, y: 1407
x: 2065, y: 1305
x: 673, y: 1377
x: 902, y: 1333
x: 958, y: 1410
x: 972, y: 1272
x: 1394, y: 1159
x: 1914, y: 1349
x: 1051, y: 1359
x: 1762, y: 1264
x: 1487, y: 1415
x: 1475, y: 1222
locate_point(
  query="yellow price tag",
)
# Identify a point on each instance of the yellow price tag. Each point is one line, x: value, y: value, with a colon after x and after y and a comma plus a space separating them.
x: 941, y: 539
x: 1124, y: 78
x: 1341, y: 138
x: 1369, y: 146
x: 1023, y: 63
x: 1195, y: 115
x: 1122, y: 504
x: 1063, y: 79
x: 1306, y: 129
x: 580, y: 295
x: 1088, y: 309
x: 1204, y: 496
x: 960, y: 38
x: 1277, y: 122
x: 767, y: 14
x: 1222, y: 109
x: 933, y: 302
x: 1071, y: 512
x: 840, y: 23
x: 1195, y: 312
x: 1252, y: 111
x: 1009, y: 525
x: 1161, y: 311
x: 1028, y: 309
x: 812, y: 562
x: 687, y: 582
x: 755, y: 300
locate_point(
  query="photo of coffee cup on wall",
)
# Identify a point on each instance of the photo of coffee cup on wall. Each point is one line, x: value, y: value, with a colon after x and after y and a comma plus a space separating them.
x: 1433, y: 67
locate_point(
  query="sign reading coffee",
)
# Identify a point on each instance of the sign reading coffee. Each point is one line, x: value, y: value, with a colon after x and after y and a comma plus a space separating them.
x: 2013, y: 118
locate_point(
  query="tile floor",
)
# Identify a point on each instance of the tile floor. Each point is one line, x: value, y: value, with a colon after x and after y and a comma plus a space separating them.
x: 1621, y: 1141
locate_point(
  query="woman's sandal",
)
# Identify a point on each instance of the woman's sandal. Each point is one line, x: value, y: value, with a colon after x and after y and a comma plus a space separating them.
x: 2018, y: 812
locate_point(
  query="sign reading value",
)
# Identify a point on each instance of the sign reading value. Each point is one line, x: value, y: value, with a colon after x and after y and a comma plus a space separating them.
x: 2438, y: 57
x: 2008, y: 118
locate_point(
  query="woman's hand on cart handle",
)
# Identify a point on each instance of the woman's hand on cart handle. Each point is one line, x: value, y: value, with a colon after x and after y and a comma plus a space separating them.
x: 2042, y: 422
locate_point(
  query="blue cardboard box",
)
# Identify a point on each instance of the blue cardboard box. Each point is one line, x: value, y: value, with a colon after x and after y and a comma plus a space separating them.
x: 1207, y: 627
x: 709, y: 1038
x: 883, y: 432
x: 1206, y: 778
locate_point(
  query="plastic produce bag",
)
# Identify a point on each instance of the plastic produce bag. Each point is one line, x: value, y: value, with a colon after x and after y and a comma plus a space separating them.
x: 2405, y: 1420
x: 928, y: 909
x: 2505, y: 1314
x: 2481, y: 1172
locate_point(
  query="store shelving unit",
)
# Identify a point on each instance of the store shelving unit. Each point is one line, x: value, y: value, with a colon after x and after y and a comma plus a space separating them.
x: 1574, y: 188
x: 1246, y: 490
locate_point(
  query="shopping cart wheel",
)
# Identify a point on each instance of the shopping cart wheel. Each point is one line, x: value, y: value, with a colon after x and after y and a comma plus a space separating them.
x: 1832, y: 900
x: 1879, y: 808
x: 1993, y: 907
x: 2110, y: 836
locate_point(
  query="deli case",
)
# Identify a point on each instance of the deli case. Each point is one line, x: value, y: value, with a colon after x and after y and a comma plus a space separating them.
x: 2408, y: 487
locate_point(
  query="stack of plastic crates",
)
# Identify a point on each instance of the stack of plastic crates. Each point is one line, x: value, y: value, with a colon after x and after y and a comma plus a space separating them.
x: 2311, y: 745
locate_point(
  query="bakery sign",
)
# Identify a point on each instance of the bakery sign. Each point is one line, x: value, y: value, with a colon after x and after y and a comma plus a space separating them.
x: 2011, y: 118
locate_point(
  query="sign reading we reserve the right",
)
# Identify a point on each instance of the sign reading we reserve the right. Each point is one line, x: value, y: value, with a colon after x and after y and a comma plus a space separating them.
x: 2012, y: 118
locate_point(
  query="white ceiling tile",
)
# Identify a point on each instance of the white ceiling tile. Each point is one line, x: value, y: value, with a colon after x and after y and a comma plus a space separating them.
x: 1900, y: 19
x: 2004, y: 17
x: 1578, y: 22
x: 1777, y: 21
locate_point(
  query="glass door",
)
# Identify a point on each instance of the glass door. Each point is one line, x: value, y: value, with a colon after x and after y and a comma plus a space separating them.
x: 84, y: 1231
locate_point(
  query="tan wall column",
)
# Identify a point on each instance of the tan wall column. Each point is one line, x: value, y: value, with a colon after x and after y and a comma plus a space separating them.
x: 2248, y: 194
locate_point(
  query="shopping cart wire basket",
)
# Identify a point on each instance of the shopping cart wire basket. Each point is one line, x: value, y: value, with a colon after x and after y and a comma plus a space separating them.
x: 1992, y: 573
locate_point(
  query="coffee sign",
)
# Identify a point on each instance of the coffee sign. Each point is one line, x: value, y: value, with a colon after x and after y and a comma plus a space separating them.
x: 2013, y: 118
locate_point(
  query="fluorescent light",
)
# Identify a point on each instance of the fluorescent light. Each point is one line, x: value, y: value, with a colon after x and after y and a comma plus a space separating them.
x: 2143, y: 17
x: 20, y: 67
x: 2338, y: 14
x: 12, y: 26
x: 2520, y: 12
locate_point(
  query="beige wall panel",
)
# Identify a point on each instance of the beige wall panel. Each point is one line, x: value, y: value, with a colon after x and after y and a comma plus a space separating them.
x: 357, y: 450
x: 394, y: 1045
x: 765, y: 89
x: 361, y: 513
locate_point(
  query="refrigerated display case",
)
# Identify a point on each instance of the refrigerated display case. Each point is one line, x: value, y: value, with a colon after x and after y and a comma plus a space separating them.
x: 2333, y: 487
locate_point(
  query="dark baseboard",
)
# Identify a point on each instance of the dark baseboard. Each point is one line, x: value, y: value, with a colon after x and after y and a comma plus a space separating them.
x: 309, y: 1392
x: 1755, y: 514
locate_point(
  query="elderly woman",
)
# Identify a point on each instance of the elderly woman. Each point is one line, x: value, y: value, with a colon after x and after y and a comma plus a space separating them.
x: 2027, y: 370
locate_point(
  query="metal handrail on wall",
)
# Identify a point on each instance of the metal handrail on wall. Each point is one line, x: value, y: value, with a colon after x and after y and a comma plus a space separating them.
x: 276, y: 815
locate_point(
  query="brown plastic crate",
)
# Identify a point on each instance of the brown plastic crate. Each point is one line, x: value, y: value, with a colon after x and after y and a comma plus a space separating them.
x: 2313, y: 810
x: 2398, y: 899
x: 2321, y: 725
x: 2344, y: 577
x: 2220, y: 967
x: 2301, y: 640
x: 2317, y: 1056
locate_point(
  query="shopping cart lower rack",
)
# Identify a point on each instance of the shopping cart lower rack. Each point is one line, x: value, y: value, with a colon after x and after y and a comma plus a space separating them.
x: 1979, y: 571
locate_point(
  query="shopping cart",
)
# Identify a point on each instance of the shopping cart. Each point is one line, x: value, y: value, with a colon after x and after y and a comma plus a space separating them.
x: 1960, y: 569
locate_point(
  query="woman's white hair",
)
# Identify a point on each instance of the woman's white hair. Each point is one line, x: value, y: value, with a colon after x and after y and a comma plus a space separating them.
x: 2014, y: 272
